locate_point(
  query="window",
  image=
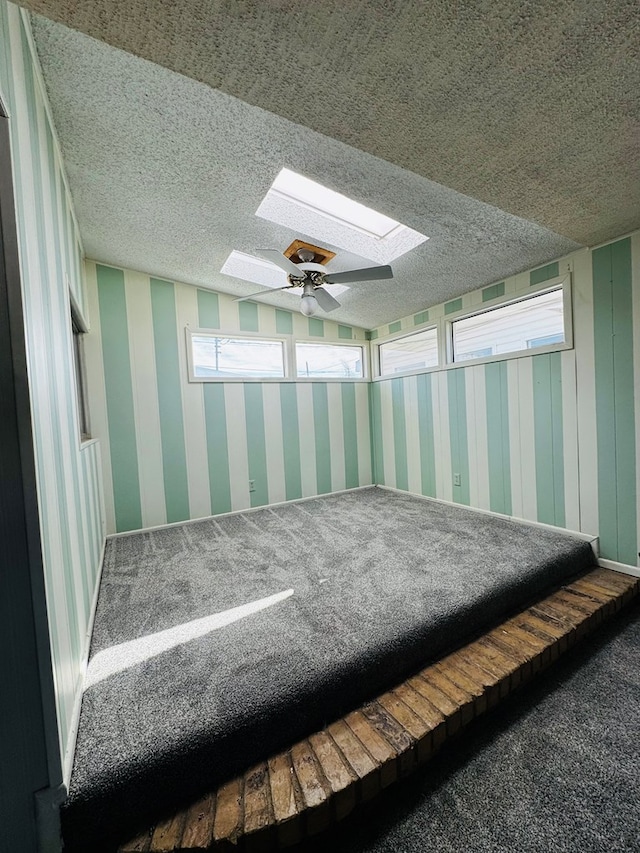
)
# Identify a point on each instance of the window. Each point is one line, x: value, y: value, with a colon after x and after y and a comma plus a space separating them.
x: 536, y: 321
x: 78, y: 332
x: 214, y: 356
x: 329, y: 361
x: 223, y: 357
x: 413, y: 352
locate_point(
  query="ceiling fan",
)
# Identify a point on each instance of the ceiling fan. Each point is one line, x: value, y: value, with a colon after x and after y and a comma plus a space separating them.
x: 311, y: 277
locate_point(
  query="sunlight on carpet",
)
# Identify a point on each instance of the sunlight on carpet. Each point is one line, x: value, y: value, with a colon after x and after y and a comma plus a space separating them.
x: 125, y: 655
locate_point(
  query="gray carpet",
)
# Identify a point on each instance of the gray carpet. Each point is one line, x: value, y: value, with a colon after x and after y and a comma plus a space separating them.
x: 555, y: 769
x: 356, y: 590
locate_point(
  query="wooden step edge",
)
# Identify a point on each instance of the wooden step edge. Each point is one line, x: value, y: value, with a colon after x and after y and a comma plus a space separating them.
x: 198, y: 824
x: 323, y: 778
x: 348, y: 736
x: 380, y: 751
x: 399, y: 739
x: 315, y: 789
x: 258, y: 809
x: 337, y: 771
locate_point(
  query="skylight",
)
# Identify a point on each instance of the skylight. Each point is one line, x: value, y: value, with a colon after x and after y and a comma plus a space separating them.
x: 332, y: 218
x: 321, y: 199
x: 259, y: 271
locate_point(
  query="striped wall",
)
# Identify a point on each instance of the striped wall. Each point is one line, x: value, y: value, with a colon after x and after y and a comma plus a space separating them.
x: 551, y: 438
x: 498, y: 428
x: 68, y: 474
x: 616, y: 325
x: 176, y: 450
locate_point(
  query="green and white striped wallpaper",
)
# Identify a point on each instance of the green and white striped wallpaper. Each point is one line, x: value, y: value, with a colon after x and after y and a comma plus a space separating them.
x: 506, y: 428
x: 68, y: 474
x: 175, y: 450
x: 551, y: 438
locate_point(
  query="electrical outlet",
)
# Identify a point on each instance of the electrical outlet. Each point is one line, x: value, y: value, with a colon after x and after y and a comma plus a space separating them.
x: 252, y: 485
x: 456, y: 480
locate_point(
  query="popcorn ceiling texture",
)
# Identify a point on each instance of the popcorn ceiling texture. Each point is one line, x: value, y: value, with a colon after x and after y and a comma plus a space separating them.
x: 531, y: 107
x: 167, y: 175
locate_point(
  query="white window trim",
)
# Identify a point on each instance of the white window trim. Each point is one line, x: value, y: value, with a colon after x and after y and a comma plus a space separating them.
x: 239, y: 336
x: 342, y: 342
x: 562, y: 282
x: 397, y: 336
x: 289, y: 348
x: 444, y: 325
x: 75, y: 315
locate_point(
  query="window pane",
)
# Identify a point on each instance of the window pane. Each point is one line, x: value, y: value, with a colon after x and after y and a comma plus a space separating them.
x: 80, y: 373
x: 410, y: 353
x: 533, y: 322
x: 218, y: 356
x: 329, y: 361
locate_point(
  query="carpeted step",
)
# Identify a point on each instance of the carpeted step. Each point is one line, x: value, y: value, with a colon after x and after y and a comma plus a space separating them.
x: 321, y: 779
x: 219, y: 643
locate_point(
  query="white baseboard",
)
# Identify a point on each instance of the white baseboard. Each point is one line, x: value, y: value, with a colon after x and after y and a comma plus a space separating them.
x: 587, y: 537
x: 623, y: 568
x: 67, y: 759
x: 236, y: 512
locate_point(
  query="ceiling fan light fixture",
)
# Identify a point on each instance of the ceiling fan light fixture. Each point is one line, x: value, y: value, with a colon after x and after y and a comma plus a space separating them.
x: 308, y: 305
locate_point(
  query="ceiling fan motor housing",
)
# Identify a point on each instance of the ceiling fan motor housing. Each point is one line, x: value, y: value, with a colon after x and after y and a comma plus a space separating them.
x: 309, y: 274
x: 312, y: 277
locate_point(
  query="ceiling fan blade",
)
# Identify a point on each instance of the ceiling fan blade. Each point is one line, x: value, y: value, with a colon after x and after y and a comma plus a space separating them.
x: 366, y: 274
x: 276, y: 257
x: 325, y: 300
x: 264, y: 290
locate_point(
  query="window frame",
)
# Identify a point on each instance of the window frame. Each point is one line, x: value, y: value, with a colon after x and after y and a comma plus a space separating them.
x: 361, y: 345
x: 444, y: 325
x: 562, y: 283
x: 409, y: 334
x: 239, y: 336
x: 289, y: 350
x: 79, y: 328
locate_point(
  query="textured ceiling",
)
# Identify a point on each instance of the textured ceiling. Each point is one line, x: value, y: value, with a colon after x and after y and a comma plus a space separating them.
x: 167, y: 174
x: 529, y: 106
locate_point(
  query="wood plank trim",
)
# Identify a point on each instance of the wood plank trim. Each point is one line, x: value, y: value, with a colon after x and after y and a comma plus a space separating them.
x: 322, y: 779
x: 258, y: 812
x: 198, y: 825
x: 337, y: 772
x: 315, y: 789
x: 286, y: 799
x: 138, y: 844
x: 375, y: 746
x: 401, y: 741
x: 229, y: 812
x: 361, y: 763
x: 167, y: 834
x: 463, y: 700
